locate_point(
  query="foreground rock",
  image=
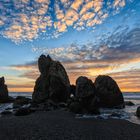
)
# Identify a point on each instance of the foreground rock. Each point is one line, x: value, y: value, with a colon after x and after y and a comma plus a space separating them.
x: 138, y: 112
x: 4, y: 92
x: 23, y: 111
x: 53, y: 83
x: 6, y: 112
x: 129, y: 103
x: 108, y: 92
x: 20, y: 101
x: 86, y: 100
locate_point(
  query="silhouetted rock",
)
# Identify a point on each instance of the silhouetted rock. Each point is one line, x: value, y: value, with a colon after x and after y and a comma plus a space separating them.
x: 129, y: 103
x: 84, y: 87
x: 86, y: 97
x: 23, y: 111
x: 6, y: 112
x: 20, y: 101
x: 4, y: 92
x: 53, y: 83
x: 76, y: 107
x: 44, y: 64
x: 108, y: 92
x: 138, y: 112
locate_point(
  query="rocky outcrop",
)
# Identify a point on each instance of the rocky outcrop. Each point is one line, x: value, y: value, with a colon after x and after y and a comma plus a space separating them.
x: 53, y: 82
x: 21, y: 101
x: 138, y: 112
x: 23, y: 111
x: 129, y: 103
x: 108, y: 92
x: 86, y: 100
x: 84, y: 87
x: 4, y: 92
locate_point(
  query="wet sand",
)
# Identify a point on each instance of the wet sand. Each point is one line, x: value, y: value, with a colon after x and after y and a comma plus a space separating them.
x: 62, y: 125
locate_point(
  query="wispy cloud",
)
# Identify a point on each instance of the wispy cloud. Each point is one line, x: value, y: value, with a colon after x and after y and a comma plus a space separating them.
x: 119, y: 45
x: 118, y: 56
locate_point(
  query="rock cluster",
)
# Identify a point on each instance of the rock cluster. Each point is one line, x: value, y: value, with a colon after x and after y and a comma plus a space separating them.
x: 87, y: 97
x: 21, y: 101
x: 53, y: 91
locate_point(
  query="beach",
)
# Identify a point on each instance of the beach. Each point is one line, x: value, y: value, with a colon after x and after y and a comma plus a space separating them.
x: 63, y: 125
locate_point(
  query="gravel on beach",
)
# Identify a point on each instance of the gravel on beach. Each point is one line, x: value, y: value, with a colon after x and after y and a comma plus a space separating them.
x: 62, y: 125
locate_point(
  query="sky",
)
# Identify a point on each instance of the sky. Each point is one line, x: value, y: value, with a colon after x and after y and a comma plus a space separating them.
x: 89, y: 37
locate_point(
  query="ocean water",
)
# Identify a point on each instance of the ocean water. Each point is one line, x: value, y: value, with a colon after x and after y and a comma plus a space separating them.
x: 128, y: 113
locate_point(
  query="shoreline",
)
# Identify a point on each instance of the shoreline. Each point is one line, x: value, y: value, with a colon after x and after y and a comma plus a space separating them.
x: 61, y: 125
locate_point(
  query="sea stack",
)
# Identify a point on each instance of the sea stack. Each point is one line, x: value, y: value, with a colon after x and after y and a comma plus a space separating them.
x: 85, y: 98
x: 3, y: 91
x: 53, y: 82
x: 108, y: 92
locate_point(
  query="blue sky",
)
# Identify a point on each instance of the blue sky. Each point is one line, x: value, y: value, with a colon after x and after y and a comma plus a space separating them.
x: 90, y: 37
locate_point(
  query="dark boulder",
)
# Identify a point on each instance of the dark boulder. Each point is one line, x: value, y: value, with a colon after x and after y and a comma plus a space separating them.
x: 6, y: 112
x: 3, y: 90
x: 138, y: 112
x: 20, y: 101
x: 4, y: 98
x: 23, y: 111
x: 108, y: 92
x: 84, y: 87
x: 53, y: 83
x: 129, y: 103
x: 76, y: 107
x: 86, y: 97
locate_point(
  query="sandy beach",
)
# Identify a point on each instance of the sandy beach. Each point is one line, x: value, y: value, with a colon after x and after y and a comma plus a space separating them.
x: 62, y: 125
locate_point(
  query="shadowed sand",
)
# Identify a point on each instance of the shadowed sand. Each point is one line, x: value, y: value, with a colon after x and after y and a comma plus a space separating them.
x: 62, y: 125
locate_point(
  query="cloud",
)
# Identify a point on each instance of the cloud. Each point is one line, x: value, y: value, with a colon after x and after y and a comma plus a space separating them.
x: 118, y: 56
x: 26, y: 20
x: 119, y: 45
x: 76, y: 4
x: 119, y: 3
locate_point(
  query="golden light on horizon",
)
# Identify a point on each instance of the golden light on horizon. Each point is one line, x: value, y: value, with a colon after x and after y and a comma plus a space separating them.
x: 124, y: 84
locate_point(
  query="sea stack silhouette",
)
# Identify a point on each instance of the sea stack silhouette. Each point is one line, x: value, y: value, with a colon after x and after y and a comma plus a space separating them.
x: 4, y: 96
x: 3, y: 91
x: 53, y: 82
x: 108, y: 92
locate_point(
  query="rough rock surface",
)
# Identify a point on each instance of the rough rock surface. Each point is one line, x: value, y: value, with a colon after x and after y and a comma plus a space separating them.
x: 53, y: 83
x: 108, y: 92
x: 138, y: 112
x: 129, y: 103
x: 23, y: 111
x: 86, y: 100
x: 3, y: 91
x: 20, y: 101
x: 84, y: 87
